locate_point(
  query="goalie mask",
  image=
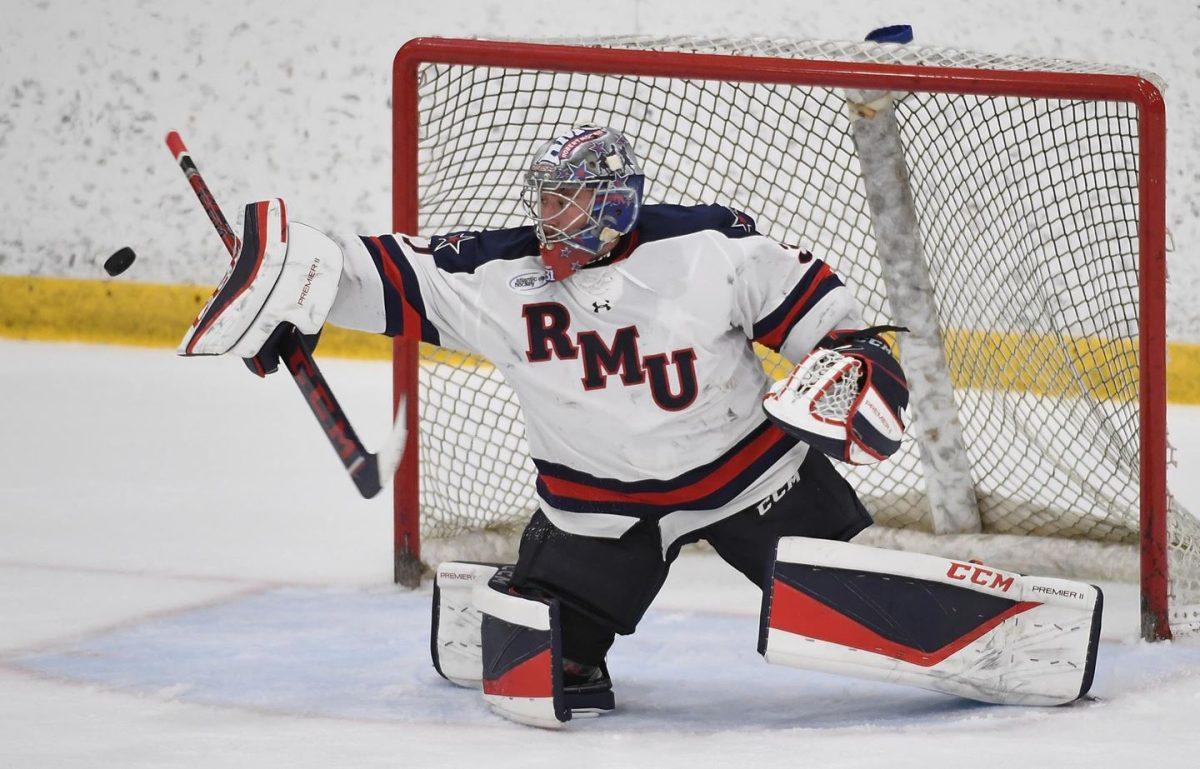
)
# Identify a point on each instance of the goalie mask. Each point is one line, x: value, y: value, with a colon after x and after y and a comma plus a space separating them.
x: 583, y: 192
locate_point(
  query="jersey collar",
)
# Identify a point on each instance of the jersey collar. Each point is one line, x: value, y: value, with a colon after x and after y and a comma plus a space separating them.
x: 625, y: 247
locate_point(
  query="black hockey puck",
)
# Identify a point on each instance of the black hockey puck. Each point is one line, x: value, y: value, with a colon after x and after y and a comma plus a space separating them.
x: 120, y: 261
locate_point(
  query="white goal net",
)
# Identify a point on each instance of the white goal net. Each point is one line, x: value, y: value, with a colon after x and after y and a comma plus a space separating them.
x: 1027, y: 215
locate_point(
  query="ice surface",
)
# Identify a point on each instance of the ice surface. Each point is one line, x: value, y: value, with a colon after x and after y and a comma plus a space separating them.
x: 188, y: 579
x: 364, y: 654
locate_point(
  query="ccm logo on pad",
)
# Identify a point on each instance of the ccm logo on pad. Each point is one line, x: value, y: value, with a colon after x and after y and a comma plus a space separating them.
x: 969, y: 572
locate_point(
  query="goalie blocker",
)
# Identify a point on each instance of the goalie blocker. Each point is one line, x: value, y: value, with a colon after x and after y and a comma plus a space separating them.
x: 950, y: 626
x: 283, y: 273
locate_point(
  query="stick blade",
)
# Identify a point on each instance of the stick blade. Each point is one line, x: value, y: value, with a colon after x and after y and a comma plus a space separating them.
x: 375, y: 471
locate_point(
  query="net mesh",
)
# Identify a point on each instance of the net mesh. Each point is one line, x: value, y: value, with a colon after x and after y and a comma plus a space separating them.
x: 1028, y: 210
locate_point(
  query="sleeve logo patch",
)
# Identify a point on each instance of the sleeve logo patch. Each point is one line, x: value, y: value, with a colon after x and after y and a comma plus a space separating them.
x: 453, y: 242
x: 529, y: 282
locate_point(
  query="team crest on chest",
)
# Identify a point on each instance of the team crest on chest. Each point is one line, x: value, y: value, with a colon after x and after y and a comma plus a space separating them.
x: 548, y: 327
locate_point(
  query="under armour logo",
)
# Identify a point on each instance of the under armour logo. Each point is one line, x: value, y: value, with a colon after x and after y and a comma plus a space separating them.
x: 598, y: 306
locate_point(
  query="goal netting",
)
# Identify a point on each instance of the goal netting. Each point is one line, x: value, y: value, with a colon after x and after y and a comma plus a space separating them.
x: 1026, y: 213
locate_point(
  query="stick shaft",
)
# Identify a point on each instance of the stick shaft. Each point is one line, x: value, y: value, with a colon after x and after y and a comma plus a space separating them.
x: 207, y: 201
x: 362, y: 465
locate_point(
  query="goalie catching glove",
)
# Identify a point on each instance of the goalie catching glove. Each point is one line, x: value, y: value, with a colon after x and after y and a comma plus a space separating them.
x: 846, y: 398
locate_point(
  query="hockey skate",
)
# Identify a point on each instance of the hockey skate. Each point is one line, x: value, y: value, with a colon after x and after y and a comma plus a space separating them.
x: 587, y: 689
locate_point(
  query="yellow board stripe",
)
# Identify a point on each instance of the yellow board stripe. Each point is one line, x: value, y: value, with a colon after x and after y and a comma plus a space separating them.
x: 152, y: 315
x: 140, y: 314
x: 1042, y: 364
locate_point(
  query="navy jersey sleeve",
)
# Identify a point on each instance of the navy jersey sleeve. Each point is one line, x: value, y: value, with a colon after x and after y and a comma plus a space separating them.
x: 434, y: 285
x: 661, y: 221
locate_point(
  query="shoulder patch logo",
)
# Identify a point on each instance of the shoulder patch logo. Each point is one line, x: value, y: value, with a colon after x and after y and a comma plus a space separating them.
x: 453, y: 242
x: 528, y: 282
x: 740, y: 221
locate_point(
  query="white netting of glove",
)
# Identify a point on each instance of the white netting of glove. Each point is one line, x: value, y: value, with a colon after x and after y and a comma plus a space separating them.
x: 838, y: 378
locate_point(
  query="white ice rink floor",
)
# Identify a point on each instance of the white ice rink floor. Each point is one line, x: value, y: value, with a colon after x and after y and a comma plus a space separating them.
x: 188, y: 579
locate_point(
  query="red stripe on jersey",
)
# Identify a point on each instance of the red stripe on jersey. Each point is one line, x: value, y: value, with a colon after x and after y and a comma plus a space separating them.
x: 793, y: 611
x: 410, y: 319
x: 709, y: 484
x: 774, y: 338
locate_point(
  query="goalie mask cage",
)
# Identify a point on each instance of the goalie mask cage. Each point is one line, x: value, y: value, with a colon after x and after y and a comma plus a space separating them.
x: 1009, y: 211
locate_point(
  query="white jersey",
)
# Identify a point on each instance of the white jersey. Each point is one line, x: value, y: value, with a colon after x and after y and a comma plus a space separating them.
x: 641, y: 391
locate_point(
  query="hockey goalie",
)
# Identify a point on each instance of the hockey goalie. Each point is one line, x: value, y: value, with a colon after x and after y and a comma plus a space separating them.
x: 625, y: 329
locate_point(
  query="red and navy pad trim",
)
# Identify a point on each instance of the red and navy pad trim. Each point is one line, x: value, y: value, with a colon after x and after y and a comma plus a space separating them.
x: 523, y: 662
x: 245, y: 267
x: 403, y: 304
x: 703, y: 488
x: 817, y: 282
x: 516, y: 660
x: 917, y: 621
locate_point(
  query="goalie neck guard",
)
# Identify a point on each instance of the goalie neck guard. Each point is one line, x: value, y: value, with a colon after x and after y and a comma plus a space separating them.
x: 583, y: 191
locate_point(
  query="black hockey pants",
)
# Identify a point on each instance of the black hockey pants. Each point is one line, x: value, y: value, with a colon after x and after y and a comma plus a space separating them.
x: 604, y: 586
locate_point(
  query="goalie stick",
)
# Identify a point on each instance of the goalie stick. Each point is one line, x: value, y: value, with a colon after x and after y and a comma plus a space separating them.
x: 369, y: 471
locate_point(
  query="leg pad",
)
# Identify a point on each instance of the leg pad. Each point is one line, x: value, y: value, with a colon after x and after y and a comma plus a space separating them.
x: 951, y: 626
x: 454, y: 640
x: 522, y: 657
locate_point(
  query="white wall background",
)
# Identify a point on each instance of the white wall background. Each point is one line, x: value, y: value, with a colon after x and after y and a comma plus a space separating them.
x: 292, y: 99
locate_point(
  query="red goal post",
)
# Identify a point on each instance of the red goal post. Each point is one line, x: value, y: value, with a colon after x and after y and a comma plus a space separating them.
x: 859, y: 76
